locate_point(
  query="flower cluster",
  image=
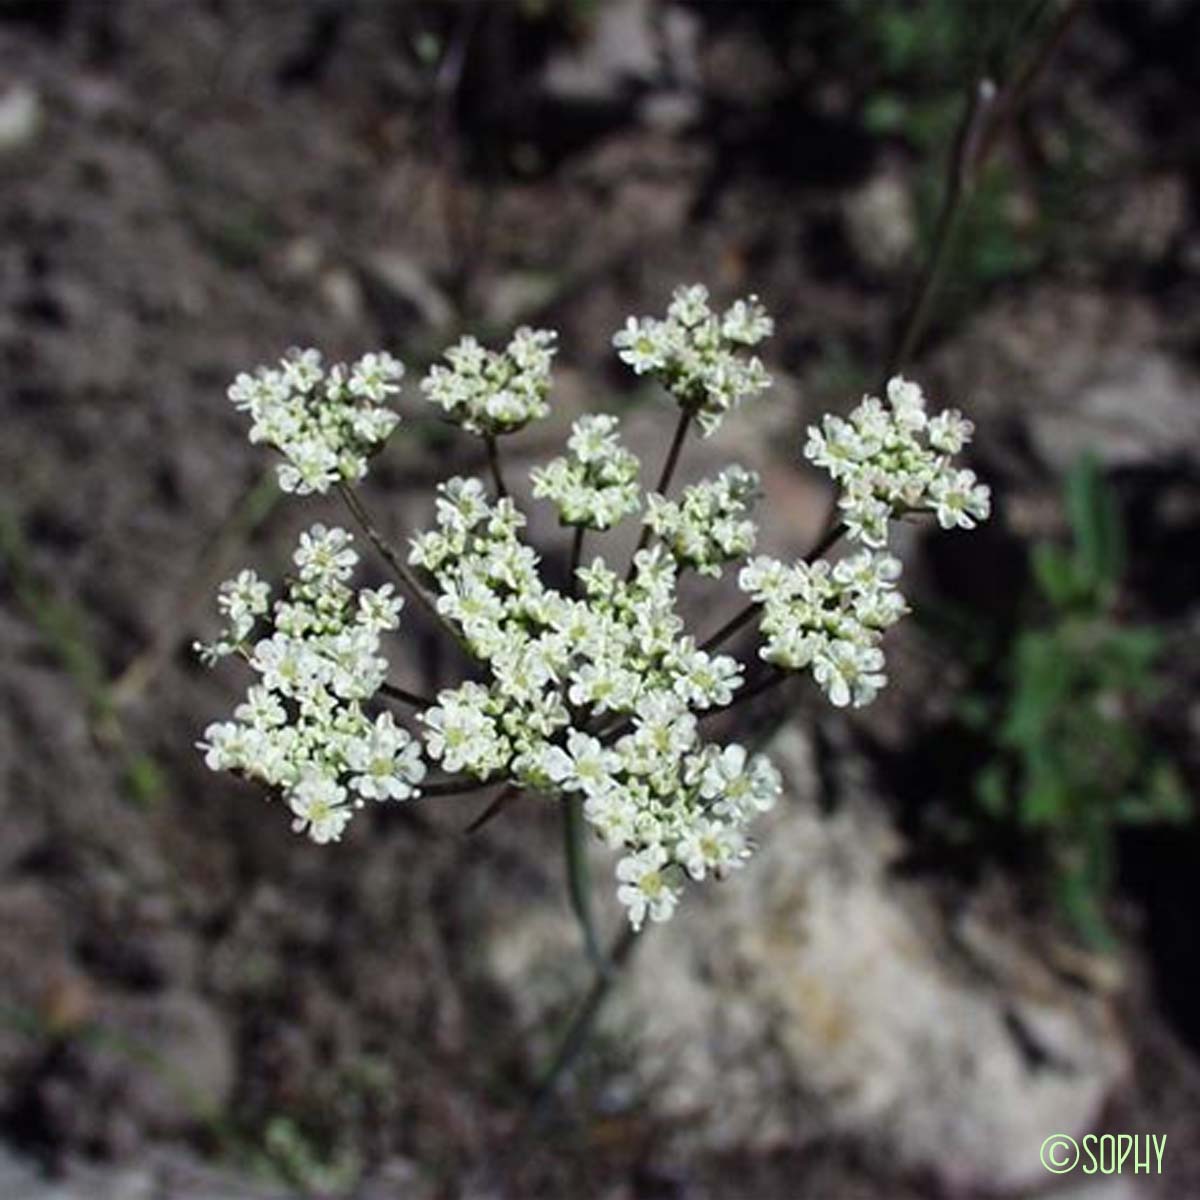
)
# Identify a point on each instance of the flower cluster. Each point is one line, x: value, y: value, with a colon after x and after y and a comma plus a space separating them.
x: 491, y: 392
x: 596, y: 484
x: 302, y: 727
x: 698, y: 355
x: 829, y: 619
x: 595, y: 694
x: 709, y: 525
x: 894, y: 459
x: 325, y: 422
x: 567, y: 670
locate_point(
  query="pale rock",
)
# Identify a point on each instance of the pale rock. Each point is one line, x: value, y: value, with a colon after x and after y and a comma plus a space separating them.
x: 814, y: 994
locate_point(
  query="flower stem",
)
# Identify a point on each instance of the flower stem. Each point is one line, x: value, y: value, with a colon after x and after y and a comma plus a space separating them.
x: 493, y: 809
x: 578, y: 878
x: 828, y: 540
x: 493, y: 454
x: 456, y: 786
x: 404, y: 696
x: 767, y: 680
x: 576, y: 555
x: 664, y: 479
x: 584, y: 1019
x: 393, y: 560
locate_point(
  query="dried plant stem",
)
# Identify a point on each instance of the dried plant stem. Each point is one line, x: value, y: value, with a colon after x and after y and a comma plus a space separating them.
x: 457, y: 786
x: 988, y: 111
x: 764, y: 682
x: 494, y: 808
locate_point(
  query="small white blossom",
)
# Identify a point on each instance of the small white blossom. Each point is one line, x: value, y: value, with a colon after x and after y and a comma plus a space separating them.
x: 325, y: 422
x: 596, y: 485
x: 319, y: 805
x: 648, y: 886
x: 494, y: 392
x: 697, y: 355
x: 709, y: 525
x: 895, y: 459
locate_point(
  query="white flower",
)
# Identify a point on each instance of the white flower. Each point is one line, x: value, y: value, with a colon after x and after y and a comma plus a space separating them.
x: 379, y: 609
x: 959, y: 500
x: 849, y: 673
x: 711, y: 847
x: 325, y: 554
x: 225, y: 745
x: 697, y: 356
x: 494, y: 392
x: 318, y: 803
x: 708, y: 526
x: 647, y: 886
x: 598, y: 484
x: 596, y: 691
x: 325, y: 422
x: 388, y: 761
x: 895, y: 459
x: 584, y: 766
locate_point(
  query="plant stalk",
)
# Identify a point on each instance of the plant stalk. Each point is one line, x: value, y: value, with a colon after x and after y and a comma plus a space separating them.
x: 579, y: 886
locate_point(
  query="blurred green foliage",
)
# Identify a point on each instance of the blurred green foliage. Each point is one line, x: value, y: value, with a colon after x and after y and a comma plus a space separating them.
x: 920, y: 60
x: 1070, y: 757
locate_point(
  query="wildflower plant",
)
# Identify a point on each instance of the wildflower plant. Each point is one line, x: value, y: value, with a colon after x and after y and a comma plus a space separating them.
x: 595, y: 695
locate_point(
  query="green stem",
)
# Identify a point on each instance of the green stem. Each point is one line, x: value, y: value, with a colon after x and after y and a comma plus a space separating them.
x: 584, y: 1019
x: 578, y: 878
x: 769, y: 679
x: 456, y: 786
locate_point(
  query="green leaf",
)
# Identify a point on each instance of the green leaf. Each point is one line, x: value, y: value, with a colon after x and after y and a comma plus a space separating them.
x: 1054, y: 572
x: 1096, y: 524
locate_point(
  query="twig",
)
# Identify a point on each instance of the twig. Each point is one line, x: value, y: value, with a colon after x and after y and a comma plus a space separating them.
x: 456, y: 786
x: 766, y: 680
x: 988, y: 111
x: 576, y: 556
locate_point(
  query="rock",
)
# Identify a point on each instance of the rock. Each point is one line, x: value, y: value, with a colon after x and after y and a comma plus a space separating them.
x: 816, y: 995
x: 172, y: 1058
x: 1140, y: 408
x: 402, y: 278
x: 623, y: 47
x: 164, y: 1174
x: 880, y: 221
x: 1079, y: 370
x: 20, y: 117
x: 619, y: 48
